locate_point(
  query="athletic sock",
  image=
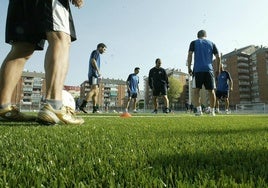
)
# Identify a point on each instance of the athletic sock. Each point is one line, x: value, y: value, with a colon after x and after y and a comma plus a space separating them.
x: 4, y: 106
x: 199, y: 109
x: 84, y: 104
x: 56, y: 104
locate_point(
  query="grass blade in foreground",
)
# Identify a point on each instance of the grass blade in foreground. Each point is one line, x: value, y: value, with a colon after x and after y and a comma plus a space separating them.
x: 159, y: 151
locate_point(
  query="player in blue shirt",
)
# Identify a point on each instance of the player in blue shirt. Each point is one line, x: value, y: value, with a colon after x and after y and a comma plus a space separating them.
x: 94, y: 76
x: 202, y: 72
x: 224, y: 85
x: 133, y: 88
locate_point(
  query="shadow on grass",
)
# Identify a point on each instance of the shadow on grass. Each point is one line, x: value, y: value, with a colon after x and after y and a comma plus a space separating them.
x: 235, y: 166
x: 17, y: 124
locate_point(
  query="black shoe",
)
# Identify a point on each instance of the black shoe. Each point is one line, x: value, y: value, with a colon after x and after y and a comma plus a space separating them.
x: 95, y: 110
x: 83, y: 109
x: 154, y: 112
x: 167, y: 110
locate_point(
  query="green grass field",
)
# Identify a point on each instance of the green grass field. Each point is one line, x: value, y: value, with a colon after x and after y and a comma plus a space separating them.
x: 174, y: 150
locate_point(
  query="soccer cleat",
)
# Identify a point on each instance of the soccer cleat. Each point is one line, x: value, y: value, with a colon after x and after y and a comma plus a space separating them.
x: 212, y: 114
x: 135, y: 111
x: 227, y: 112
x: 83, y: 109
x: 198, y: 113
x: 166, y: 110
x: 154, y: 112
x: 12, y: 113
x: 49, y: 116
x: 95, y: 111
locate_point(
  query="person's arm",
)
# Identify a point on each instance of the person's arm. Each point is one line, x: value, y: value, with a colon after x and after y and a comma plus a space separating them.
x: 150, y: 79
x: 95, y: 66
x: 217, y: 56
x: 166, y: 78
x: 218, y: 62
x: 190, y: 57
x: 127, y: 82
x: 189, y: 62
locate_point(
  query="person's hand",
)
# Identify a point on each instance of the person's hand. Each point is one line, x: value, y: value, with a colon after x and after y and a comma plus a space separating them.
x: 77, y: 3
x: 190, y: 72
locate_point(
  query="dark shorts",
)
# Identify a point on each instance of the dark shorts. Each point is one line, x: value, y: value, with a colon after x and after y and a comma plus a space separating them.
x: 222, y: 94
x: 29, y: 20
x: 204, y: 78
x: 132, y: 95
x: 93, y: 80
x: 160, y: 90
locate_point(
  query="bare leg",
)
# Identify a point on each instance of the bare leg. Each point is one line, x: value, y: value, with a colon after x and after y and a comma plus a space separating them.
x: 166, y: 101
x: 92, y: 94
x: 95, y: 97
x: 226, y: 103
x: 196, y: 98
x: 212, y: 98
x: 128, y: 102
x: 56, y: 63
x: 217, y: 103
x: 134, y: 103
x: 11, y: 69
x: 155, y: 102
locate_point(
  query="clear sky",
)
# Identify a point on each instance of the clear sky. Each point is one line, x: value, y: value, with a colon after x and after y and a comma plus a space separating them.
x: 137, y: 32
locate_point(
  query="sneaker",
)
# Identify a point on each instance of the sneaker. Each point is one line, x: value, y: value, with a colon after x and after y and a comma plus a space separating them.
x: 12, y: 113
x: 198, y: 113
x: 135, y: 111
x: 154, y: 112
x: 95, y: 111
x: 212, y: 114
x: 227, y: 112
x: 166, y: 110
x: 83, y: 109
x: 49, y: 116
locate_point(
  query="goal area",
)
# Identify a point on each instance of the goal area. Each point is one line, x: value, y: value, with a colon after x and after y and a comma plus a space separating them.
x: 251, y: 108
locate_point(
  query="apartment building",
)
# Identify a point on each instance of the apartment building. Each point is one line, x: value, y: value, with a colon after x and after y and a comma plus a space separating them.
x: 113, y: 93
x: 29, y: 90
x: 248, y: 67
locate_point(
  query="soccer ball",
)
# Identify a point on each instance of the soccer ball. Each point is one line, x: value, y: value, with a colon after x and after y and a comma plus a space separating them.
x: 68, y: 100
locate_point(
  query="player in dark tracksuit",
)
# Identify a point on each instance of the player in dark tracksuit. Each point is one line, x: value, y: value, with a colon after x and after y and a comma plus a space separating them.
x: 158, y: 82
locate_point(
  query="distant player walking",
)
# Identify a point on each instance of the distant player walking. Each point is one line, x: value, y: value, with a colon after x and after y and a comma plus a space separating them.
x: 93, y: 77
x: 133, y: 88
x: 224, y: 85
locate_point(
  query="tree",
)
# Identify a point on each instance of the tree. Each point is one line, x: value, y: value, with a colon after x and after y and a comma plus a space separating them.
x: 175, y: 89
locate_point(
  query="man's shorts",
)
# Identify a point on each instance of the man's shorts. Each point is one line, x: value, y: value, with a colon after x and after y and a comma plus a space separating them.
x: 29, y: 20
x: 93, y: 80
x: 222, y: 94
x: 132, y: 95
x: 160, y: 90
x: 204, y: 78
